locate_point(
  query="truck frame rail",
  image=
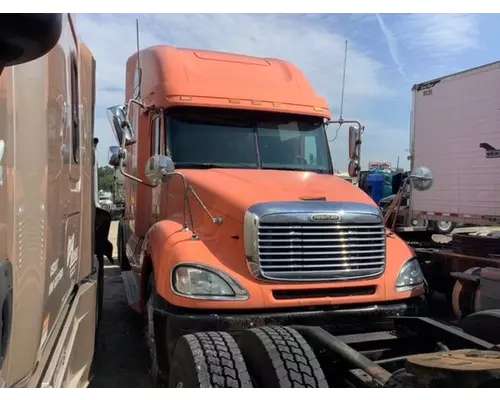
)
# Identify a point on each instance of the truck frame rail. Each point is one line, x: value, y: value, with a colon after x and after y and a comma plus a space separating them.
x: 395, y: 358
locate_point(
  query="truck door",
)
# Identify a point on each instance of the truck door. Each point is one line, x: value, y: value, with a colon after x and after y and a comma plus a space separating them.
x: 63, y: 201
x: 74, y: 183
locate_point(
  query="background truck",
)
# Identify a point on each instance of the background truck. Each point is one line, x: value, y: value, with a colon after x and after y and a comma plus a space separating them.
x: 234, y: 218
x: 455, y: 122
x: 50, y: 279
x: 453, y: 126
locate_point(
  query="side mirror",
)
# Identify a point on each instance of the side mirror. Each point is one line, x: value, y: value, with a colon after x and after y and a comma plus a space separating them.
x: 353, y: 169
x: 158, y: 167
x: 422, y: 179
x: 117, y: 117
x: 114, y: 156
x: 26, y: 37
x: 354, y: 137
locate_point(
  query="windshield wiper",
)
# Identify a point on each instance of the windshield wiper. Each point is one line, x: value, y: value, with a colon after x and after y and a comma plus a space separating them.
x: 318, y: 171
x: 210, y: 165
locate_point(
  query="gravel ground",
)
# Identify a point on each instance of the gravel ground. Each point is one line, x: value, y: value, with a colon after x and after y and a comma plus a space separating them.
x: 122, y: 358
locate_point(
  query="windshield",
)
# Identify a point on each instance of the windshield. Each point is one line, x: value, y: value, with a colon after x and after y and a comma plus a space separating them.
x: 219, y: 139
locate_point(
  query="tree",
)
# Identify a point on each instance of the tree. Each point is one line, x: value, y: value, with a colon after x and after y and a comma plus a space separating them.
x: 106, y: 178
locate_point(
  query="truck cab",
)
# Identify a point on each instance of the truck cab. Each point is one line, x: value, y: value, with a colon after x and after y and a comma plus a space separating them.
x: 234, y: 217
x: 51, y: 282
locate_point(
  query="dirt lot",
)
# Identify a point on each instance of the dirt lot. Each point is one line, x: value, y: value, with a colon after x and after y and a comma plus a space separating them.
x: 122, y: 359
x: 122, y: 352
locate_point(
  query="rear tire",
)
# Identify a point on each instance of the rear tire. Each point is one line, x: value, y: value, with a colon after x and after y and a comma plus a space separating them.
x: 208, y: 360
x: 279, y: 357
x: 483, y: 324
x: 444, y: 227
x: 463, y: 298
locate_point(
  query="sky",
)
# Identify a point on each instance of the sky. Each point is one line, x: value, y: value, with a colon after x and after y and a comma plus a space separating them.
x: 387, y: 54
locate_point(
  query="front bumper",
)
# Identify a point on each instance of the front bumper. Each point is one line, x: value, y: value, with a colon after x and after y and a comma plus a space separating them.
x: 171, y: 322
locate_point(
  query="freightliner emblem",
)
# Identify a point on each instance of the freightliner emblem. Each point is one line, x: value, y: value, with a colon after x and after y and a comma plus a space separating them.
x: 326, y: 217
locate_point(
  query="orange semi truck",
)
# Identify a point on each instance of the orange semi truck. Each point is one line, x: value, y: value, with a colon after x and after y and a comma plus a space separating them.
x: 236, y: 228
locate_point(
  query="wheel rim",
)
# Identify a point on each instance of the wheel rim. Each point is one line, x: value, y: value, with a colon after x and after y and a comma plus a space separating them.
x: 444, y: 225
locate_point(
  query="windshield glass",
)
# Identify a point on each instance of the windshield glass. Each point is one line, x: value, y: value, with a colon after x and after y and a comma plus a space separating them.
x: 219, y: 139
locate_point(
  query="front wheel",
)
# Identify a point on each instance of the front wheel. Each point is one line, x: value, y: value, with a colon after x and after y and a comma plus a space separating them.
x: 279, y: 357
x: 154, y: 370
x: 208, y: 360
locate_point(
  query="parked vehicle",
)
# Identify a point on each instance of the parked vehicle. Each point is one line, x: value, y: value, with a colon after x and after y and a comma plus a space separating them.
x: 404, y: 223
x: 51, y: 284
x: 462, y: 153
x: 238, y: 221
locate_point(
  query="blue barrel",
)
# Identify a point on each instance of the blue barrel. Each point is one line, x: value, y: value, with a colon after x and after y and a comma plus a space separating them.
x: 375, y: 183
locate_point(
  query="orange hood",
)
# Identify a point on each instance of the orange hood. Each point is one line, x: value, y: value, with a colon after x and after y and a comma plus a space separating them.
x: 232, y: 191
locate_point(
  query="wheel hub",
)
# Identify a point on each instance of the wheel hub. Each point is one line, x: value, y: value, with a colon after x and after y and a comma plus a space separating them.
x: 444, y: 225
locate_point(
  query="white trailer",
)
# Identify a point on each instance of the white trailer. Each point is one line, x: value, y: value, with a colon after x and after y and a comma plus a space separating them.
x: 455, y: 132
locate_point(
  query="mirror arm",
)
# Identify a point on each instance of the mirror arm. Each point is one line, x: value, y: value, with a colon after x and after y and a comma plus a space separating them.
x: 215, y: 220
x: 122, y: 170
x: 187, y: 205
x: 360, y: 131
x: 142, y: 105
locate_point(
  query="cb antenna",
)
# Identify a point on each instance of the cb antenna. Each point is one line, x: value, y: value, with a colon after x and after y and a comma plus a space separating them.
x: 138, y: 72
x: 341, y: 120
x: 137, y: 41
x: 343, y: 85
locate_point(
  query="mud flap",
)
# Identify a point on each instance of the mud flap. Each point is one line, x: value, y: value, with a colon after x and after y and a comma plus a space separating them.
x: 132, y: 289
x: 6, y: 299
x: 103, y: 247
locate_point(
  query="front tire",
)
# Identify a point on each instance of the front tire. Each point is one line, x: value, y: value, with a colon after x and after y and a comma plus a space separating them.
x: 156, y: 378
x: 208, y: 360
x: 279, y: 357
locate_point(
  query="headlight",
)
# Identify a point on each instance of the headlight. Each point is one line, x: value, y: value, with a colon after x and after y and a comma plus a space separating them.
x: 206, y: 283
x: 409, y: 276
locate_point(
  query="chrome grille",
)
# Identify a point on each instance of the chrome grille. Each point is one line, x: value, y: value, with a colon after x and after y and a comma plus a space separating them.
x: 320, y: 251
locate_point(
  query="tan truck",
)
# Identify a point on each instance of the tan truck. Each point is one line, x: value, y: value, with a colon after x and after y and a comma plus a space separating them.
x: 50, y: 279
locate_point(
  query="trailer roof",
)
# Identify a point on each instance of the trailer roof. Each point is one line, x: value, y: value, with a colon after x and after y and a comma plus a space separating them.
x: 432, y: 82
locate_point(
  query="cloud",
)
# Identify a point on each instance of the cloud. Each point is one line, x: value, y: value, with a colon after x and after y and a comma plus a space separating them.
x: 306, y: 41
x: 440, y: 34
x: 392, y: 43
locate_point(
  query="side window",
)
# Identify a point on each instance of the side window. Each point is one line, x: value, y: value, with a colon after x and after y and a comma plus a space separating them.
x: 155, y: 129
x: 158, y: 135
x: 75, y: 110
